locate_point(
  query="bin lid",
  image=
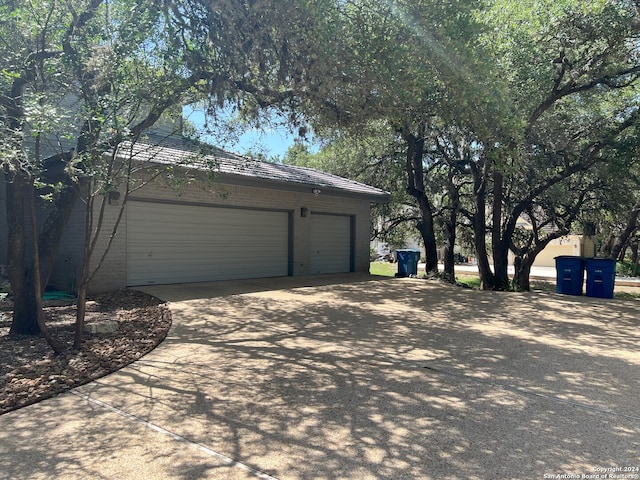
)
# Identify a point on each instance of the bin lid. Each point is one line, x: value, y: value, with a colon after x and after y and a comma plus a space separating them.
x: 601, y: 260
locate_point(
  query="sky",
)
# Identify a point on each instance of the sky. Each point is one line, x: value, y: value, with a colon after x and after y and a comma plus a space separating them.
x: 270, y: 141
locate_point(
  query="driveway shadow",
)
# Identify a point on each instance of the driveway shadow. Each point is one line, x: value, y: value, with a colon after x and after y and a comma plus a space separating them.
x: 385, y: 378
x: 223, y: 288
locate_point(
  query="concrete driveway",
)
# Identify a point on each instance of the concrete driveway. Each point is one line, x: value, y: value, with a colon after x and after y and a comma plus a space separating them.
x: 353, y: 377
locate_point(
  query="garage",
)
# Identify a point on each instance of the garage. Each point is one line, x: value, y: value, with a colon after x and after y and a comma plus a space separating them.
x: 181, y: 243
x: 251, y: 219
x: 331, y: 243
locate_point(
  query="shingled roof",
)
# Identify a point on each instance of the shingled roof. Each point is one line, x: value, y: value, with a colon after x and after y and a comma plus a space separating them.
x: 186, y: 153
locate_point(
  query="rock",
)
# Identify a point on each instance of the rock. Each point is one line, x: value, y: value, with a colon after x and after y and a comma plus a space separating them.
x: 106, y: 326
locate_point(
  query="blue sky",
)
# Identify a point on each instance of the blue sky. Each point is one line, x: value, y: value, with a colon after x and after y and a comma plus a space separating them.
x: 269, y: 141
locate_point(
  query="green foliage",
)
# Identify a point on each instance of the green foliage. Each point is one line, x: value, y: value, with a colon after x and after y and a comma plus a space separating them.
x: 103, y: 64
x: 627, y: 269
x: 373, y: 156
x: 540, y: 93
x: 543, y: 91
x: 80, y: 79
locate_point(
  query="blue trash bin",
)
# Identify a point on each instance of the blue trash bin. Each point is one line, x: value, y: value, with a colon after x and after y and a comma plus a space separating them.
x: 601, y: 277
x: 569, y: 274
x: 407, y: 262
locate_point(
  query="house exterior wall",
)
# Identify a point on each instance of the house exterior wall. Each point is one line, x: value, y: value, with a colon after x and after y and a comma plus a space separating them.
x: 112, y: 274
x: 569, y: 245
x: 573, y: 245
x: 66, y: 270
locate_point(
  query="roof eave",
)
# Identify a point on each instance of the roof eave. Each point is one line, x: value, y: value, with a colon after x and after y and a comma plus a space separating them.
x: 241, y: 180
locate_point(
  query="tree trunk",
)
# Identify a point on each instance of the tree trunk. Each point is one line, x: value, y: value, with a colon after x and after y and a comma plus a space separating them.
x: 607, y: 246
x: 450, y: 228
x: 632, y: 224
x: 37, y: 291
x: 500, y: 247
x: 487, y: 279
x: 80, y: 315
x: 501, y: 266
x: 25, y: 320
x: 623, y: 253
x: 81, y: 303
x: 449, y: 273
x: 415, y: 188
x: 522, y: 273
x: 427, y: 231
x: 25, y: 315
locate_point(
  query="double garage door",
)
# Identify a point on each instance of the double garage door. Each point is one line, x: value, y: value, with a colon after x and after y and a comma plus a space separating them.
x: 170, y: 243
x: 174, y: 243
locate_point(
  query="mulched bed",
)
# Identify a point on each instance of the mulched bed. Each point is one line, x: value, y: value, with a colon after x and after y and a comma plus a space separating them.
x: 30, y: 372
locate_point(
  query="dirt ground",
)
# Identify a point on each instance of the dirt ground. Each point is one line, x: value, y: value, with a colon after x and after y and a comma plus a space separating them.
x: 29, y: 370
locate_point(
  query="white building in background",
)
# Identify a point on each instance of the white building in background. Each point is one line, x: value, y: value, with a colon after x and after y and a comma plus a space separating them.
x: 573, y: 245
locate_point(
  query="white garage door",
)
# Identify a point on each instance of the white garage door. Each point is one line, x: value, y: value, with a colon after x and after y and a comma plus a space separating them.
x: 330, y: 243
x: 169, y: 243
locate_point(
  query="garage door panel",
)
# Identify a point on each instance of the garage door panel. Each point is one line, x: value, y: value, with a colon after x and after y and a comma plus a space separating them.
x: 330, y: 244
x: 170, y: 243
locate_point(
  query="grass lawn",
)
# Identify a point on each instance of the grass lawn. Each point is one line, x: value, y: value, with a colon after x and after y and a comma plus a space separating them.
x: 386, y: 269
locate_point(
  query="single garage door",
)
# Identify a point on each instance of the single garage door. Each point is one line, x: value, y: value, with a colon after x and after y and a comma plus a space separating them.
x: 331, y: 244
x: 170, y: 243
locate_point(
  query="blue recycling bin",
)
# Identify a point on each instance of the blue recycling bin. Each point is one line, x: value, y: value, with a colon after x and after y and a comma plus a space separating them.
x: 569, y: 274
x: 407, y: 262
x: 601, y: 277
